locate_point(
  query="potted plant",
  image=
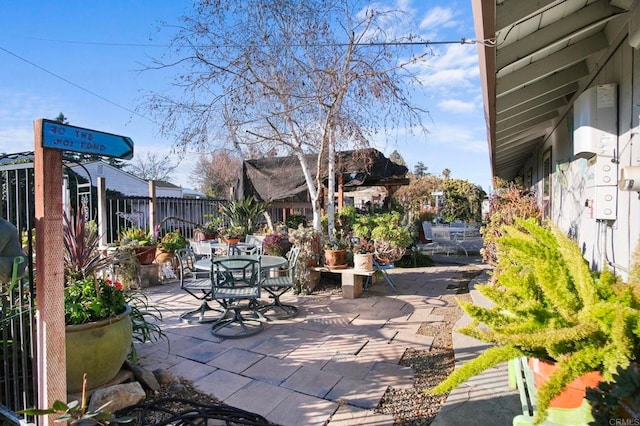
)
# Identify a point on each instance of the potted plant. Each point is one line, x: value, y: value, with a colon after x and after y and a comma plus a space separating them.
x: 276, y: 244
x: 102, y: 316
x: 335, y: 254
x: 389, y: 236
x: 97, y: 317
x: 363, y: 251
x: 232, y: 235
x: 142, y: 242
x: 550, y: 307
x: 208, y: 230
x: 169, y: 244
x: 244, y: 214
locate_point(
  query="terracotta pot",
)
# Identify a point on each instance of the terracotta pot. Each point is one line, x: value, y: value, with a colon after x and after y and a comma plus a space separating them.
x: 97, y: 349
x: 363, y: 261
x: 164, y: 256
x: 335, y: 257
x: 145, y: 254
x: 573, y: 394
x: 231, y: 241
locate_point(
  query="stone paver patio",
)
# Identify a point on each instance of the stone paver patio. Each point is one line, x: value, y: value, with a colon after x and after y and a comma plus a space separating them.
x: 330, y: 364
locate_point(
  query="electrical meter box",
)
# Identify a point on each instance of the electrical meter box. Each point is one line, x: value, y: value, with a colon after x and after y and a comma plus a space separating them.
x: 595, y: 121
x: 595, y: 136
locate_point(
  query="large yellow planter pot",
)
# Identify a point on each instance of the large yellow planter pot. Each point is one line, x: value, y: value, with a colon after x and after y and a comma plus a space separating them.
x: 97, y: 349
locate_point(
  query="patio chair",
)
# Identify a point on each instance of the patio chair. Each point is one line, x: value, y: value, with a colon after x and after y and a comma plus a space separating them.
x: 441, y: 239
x: 246, y: 250
x: 198, y: 285
x: 236, y: 288
x: 219, y: 249
x: 383, y: 269
x: 256, y: 240
x: 279, y: 284
x: 200, y: 248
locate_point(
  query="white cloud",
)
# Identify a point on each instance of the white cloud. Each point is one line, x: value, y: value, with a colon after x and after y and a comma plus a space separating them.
x: 436, y: 17
x: 452, y: 72
x: 445, y: 78
x: 458, y: 55
x: 454, y: 105
x: 459, y: 138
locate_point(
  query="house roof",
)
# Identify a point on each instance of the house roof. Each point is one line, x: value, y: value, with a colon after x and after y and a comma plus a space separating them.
x: 165, y: 184
x: 280, y: 178
x: 538, y: 57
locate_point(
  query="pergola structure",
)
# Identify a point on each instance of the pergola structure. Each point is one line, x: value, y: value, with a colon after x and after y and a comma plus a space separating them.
x: 280, y: 180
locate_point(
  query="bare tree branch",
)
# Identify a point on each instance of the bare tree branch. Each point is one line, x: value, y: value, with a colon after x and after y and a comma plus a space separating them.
x: 286, y: 76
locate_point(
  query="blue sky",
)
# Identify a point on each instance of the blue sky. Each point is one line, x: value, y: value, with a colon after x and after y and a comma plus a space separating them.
x: 96, y: 50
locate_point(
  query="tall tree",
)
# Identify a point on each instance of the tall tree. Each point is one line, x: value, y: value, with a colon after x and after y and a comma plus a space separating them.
x: 289, y: 77
x: 419, y: 169
x: 396, y: 157
x: 217, y: 172
x: 151, y: 167
x: 62, y: 119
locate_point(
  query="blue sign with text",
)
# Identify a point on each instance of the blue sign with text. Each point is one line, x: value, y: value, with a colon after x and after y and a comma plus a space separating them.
x: 70, y: 138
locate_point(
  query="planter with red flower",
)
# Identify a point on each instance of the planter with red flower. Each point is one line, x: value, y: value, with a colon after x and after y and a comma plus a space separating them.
x: 101, y: 316
x: 98, y: 331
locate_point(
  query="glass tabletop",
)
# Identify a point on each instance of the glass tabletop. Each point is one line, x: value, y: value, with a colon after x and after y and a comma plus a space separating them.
x: 266, y: 262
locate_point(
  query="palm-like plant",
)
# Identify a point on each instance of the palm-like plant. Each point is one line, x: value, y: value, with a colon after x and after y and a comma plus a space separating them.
x: 244, y: 213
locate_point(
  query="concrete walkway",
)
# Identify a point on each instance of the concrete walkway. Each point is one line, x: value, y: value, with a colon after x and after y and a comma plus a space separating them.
x: 487, y: 397
x: 331, y: 364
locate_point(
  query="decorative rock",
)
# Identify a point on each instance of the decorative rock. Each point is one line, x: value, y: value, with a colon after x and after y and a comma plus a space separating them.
x: 146, y: 378
x: 164, y: 377
x: 121, y: 396
x: 177, y: 388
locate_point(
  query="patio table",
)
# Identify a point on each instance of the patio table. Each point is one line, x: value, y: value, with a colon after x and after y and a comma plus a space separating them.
x: 234, y: 249
x: 266, y: 262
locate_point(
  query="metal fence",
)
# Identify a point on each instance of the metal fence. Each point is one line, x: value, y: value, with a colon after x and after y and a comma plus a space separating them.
x: 17, y: 325
x: 17, y: 351
x: 184, y: 214
x: 18, y: 382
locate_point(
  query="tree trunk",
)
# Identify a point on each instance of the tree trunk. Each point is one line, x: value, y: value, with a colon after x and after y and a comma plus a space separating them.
x: 331, y: 184
x: 314, y: 192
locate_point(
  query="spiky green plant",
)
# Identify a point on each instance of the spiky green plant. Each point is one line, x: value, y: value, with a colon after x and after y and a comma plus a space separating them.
x: 244, y: 213
x: 548, y: 304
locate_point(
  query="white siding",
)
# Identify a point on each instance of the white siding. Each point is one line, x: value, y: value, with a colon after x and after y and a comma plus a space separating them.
x: 573, y: 194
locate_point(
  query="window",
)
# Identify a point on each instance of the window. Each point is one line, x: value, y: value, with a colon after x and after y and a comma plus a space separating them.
x: 546, y: 182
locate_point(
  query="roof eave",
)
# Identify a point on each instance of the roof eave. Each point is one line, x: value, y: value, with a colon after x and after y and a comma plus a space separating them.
x: 484, y: 13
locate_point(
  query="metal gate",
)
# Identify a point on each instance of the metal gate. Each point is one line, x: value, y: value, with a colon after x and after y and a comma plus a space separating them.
x: 18, y: 382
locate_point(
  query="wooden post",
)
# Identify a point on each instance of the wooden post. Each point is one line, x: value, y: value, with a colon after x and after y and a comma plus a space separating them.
x: 152, y: 205
x: 50, y: 326
x: 102, y: 211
